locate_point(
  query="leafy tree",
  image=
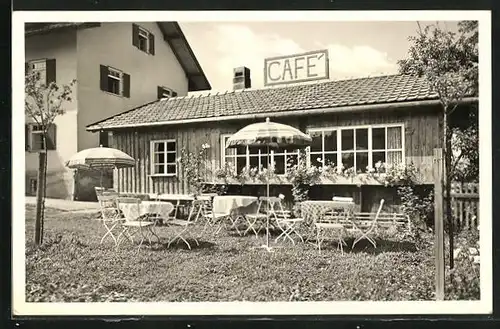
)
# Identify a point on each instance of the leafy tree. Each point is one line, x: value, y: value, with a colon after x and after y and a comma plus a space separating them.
x: 449, y: 62
x: 42, y: 104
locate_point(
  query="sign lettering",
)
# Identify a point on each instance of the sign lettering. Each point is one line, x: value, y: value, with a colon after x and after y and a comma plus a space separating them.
x: 296, y: 68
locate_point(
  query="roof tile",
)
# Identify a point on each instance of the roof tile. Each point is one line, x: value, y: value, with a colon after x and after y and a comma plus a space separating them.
x: 372, y: 90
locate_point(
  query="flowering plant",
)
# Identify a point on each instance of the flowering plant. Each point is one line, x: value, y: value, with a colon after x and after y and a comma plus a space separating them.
x: 195, y: 168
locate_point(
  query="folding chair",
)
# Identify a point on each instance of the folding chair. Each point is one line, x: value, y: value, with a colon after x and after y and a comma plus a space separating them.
x: 331, y: 217
x: 110, y: 215
x: 258, y: 217
x: 135, y: 222
x: 358, y: 228
x: 184, y: 232
x: 283, y: 219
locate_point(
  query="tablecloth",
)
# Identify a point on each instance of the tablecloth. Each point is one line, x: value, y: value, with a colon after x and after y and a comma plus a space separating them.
x: 132, y: 211
x: 241, y: 204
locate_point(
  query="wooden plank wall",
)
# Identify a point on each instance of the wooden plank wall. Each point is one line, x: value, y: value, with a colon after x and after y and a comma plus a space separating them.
x: 421, y: 137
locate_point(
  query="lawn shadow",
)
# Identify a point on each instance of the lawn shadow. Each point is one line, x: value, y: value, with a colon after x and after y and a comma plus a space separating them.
x: 383, y: 245
x: 180, y: 245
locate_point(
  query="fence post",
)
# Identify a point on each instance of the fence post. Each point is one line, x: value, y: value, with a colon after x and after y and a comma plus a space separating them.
x: 438, y: 222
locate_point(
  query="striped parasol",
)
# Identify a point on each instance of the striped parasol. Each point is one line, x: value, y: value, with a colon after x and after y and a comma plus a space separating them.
x: 100, y: 158
x: 269, y: 135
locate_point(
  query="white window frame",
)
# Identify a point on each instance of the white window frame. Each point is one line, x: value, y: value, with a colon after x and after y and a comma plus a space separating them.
x: 145, y: 34
x: 370, y: 150
x: 31, y: 139
x: 165, y: 163
x: 32, y: 67
x: 118, y: 75
x: 247, y: 155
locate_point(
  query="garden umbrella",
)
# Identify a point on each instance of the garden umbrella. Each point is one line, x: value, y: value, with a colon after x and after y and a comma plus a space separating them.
x: 269, y: 135
x: 100, y: 158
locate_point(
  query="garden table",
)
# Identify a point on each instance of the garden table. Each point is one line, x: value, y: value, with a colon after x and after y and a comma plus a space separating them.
x: 176, y: 199
x: 131, y: 210
x: 236, y: 206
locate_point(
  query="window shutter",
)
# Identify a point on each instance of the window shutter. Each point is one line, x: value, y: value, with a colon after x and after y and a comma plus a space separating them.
x: 135, y: 35
x: 160, y: 92
x: 26, y: 137
x: 104, y: 78
x: 26, y: 68
x: 151, y: 43
x: 126, y: 85
x: 50, y: 75
x: 174, y: 94
x: 51, y: 137
x: 103, y: 139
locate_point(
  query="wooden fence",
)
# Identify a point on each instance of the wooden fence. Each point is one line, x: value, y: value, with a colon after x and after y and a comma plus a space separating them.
x: 465, y: 205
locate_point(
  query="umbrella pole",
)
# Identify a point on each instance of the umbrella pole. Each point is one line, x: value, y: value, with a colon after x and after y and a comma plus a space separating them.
x: 267, y: 226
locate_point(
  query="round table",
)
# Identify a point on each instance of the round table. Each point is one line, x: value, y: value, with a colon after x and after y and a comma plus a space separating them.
x: 225, y: 204
x: 132, y: 211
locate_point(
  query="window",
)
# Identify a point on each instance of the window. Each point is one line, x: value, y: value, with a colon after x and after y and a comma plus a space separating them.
x: 143, y: 39
x: 104, y: 139
x: 241, y: 157
x: 35, y: 138
x: 358, y: 147
x: 163, y: 158
x: 115, y: 81
x: 164, y: 92
x: 46, y: 69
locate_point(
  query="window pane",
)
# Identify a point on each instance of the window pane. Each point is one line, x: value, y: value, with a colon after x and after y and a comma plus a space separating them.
x: 279, y: 164
x: 348, y: 160
x: 159, y: 169
x: 37, y: 140
x: 316, y: 145
x: 241, y: 150
x: 264, y: 161
x: 170, y: 146
x: 394, y: 138
x: 159, y: 147
x: 254, y: 162
x: 160, y: 158
x: 361, y: 139
x: 253, y: 150
x: 378, y: 156
x: 171, y: 157
x: 230, y: 151
x: 361, y: 161
x: 316, y: 159
x: 231, y: 163
x: 114, y: 86
x: 291, y: 160
x: 394, y: 157
x: 347, y: 139
x: 378, y: 138
x: 241, y: 162
x: 331, y: 140
x: 331, y: 159
x: 170, y: 169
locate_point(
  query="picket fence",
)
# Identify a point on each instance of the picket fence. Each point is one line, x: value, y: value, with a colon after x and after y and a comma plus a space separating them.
x: 465, y: 205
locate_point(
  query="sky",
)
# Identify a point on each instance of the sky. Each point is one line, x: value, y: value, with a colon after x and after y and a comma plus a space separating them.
x: 356, y: 49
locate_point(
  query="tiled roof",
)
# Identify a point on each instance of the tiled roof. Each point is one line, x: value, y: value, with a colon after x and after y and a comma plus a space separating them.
x: 36, y: 28
x: 331, y: 94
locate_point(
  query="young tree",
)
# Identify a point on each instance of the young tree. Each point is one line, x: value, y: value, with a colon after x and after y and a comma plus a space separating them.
x: 42, y: 104
x: 449, y: 62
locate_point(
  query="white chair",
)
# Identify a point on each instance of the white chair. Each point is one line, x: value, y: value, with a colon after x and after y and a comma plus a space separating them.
x: 256, y: 220
x: 283, y: 219
x: 364, y: 231
x: 134, y: 222
x: 330, y: 218
x: 110, y: 215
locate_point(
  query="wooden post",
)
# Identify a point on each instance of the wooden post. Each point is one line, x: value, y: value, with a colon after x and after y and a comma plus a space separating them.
x: 438, y: 222
x: 39, y: 197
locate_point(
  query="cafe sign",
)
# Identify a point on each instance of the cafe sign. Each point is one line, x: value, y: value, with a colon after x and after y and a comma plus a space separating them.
x: 308, y: 66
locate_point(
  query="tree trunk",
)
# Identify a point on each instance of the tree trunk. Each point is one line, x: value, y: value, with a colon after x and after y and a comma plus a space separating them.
x: 447, y: 184
x: 39, y: 198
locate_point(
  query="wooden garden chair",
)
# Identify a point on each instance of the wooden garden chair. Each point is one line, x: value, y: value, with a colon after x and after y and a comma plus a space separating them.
x: 365, y: 230
x: 110, y: 215
x: 135, y: 222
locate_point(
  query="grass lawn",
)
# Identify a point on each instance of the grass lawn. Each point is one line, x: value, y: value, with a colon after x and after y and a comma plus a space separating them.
x: 73, y: 266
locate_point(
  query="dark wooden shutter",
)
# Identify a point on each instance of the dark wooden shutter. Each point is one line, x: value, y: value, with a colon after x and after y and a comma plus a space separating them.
x: 151, y: 43
x: 126, y: 85
x: 160, y: 92
x: 174, y: 94
x: 103, y: 139
x: 50, y: 73
x: 51, y: 137
x: 135, y: 35
x: 26, y: 137
x: 104, y: 78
